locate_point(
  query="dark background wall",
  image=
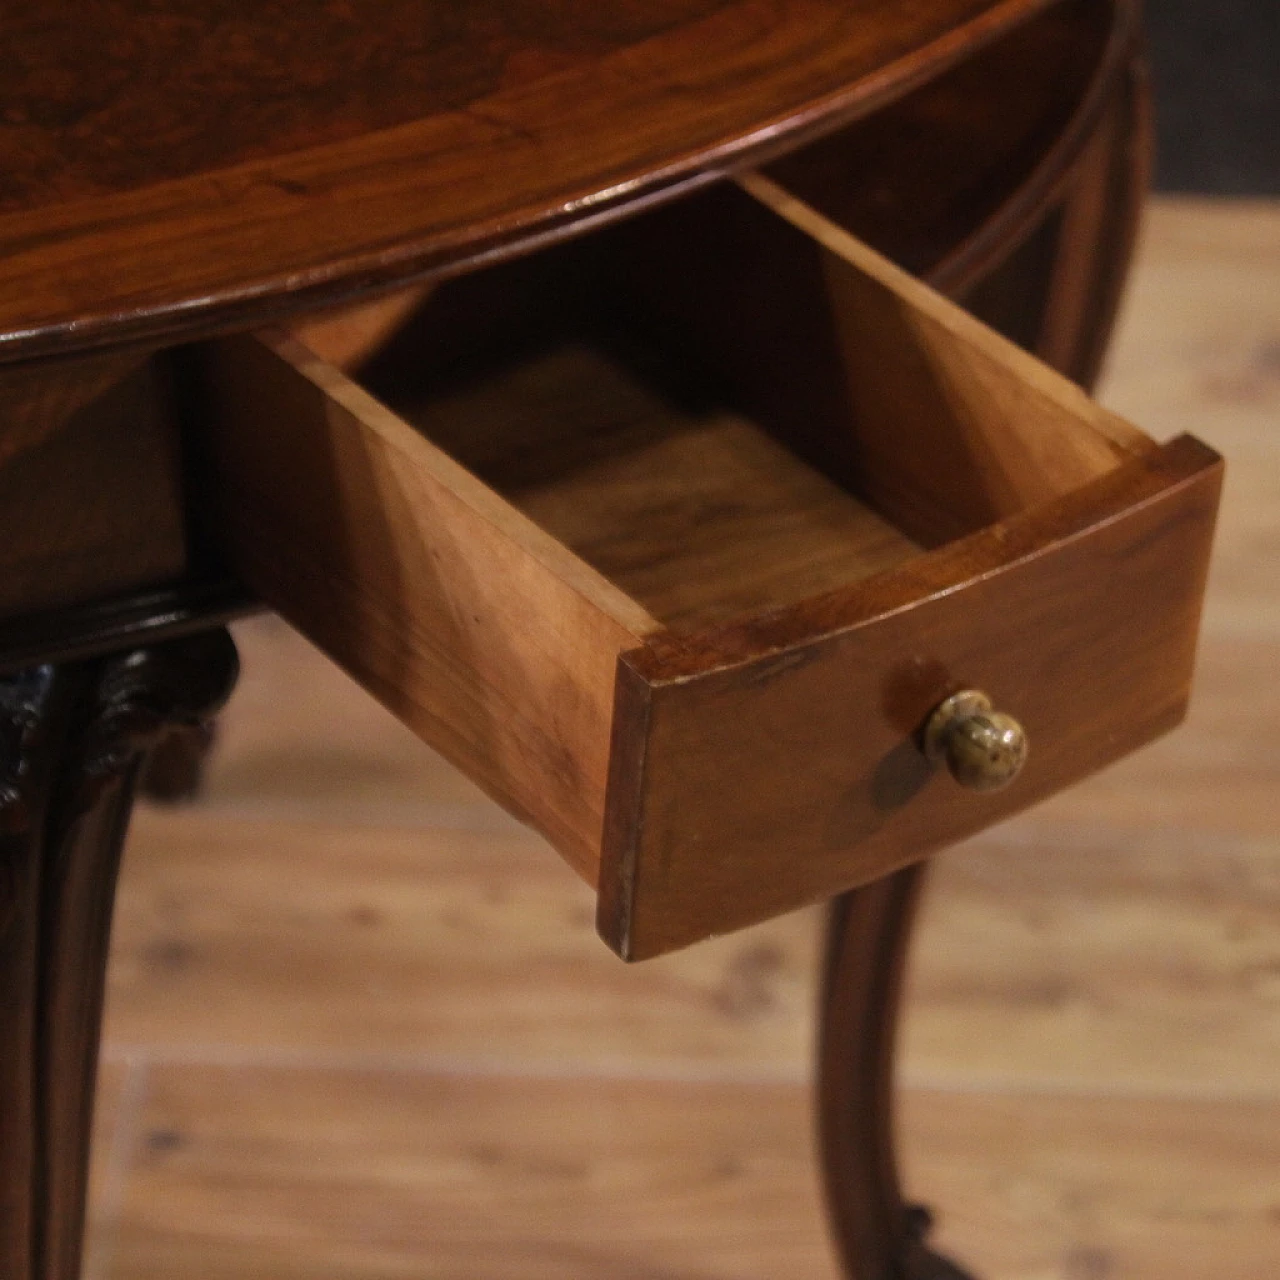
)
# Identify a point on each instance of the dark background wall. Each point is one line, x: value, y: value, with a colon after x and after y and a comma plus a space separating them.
x: 1216, y: 65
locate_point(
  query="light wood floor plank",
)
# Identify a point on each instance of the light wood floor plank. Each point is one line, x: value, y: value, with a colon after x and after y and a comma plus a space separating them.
x: 239, y: 938
x: 1042, y: 1187
x: 330, y: 1175
x: 334, y: 1175
x: 1100, y: 967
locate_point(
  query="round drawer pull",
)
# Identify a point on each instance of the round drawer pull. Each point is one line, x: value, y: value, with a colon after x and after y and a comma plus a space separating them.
x: 984, y: 748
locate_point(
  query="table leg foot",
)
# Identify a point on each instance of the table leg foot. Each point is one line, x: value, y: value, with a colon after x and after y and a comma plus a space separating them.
x: 72, y: 741
x: 879, y: 1236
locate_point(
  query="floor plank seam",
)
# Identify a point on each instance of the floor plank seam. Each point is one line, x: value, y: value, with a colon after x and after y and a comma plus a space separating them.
x: 408, y: 815
x: 235, y: 1057
x: 1120, y: 1090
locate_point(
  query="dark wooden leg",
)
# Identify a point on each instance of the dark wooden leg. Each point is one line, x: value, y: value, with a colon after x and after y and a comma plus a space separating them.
x: 72, y: 740
x: 1064, y: 308
x: 1099, y: 232
x: 879, y: 1236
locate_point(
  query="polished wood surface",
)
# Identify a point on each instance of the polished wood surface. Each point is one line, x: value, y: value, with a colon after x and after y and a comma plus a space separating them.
x: 297, y: 1082
x: 306, y: 196
x: 963, y: 164
x: 193, y: 88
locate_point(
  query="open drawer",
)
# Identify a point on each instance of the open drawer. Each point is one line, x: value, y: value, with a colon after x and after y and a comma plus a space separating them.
x: 673, y: 538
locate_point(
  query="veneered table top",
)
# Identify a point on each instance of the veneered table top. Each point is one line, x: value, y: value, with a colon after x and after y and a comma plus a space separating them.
x: 170, y: 167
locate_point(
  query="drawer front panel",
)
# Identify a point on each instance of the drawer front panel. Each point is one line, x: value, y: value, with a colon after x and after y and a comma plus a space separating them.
x: 770, y: 765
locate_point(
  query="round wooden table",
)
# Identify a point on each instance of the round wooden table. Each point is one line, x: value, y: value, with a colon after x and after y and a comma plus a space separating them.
x: 178, y: 170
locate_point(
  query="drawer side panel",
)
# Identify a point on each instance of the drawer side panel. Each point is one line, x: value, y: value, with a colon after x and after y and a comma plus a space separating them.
x: 481, y: 633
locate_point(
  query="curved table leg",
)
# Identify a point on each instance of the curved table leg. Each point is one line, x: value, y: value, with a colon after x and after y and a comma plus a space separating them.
x: 72, y: 739
x: 879, y: 1236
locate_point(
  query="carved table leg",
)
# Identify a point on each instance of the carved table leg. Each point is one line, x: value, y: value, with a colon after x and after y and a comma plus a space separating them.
x: 72, y: 739
x: 878, y: 1235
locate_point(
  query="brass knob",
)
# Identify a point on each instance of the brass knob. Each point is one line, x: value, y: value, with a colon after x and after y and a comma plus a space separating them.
x: 984, y: 748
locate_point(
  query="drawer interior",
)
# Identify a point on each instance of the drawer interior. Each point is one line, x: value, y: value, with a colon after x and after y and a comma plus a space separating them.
x: 616, y: 443
x: 648, y: 398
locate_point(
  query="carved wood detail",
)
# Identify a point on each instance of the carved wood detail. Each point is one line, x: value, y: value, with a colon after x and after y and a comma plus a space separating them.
x: 72, y: 740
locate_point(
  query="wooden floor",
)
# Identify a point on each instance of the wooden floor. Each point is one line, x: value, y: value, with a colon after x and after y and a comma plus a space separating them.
x: 360, y: 1028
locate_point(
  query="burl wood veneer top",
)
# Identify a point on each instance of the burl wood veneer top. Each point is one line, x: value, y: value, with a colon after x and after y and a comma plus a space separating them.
x: 170, y: 167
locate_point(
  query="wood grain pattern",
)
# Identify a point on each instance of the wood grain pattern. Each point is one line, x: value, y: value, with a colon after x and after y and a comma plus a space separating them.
x: 868, y: 928
x: 90, y: 482
x: 623, y: 120
x: 1080, y: 949
x: 371, y: 912
x: 935, y: 421
x: 692, y: 510
x: 696, y: 514
x: 954, y: 425
x: 472, y: 624
x: 341, y: 894
x: 1140, y: 1187
x: 359, y: 1174
x: 59, y: 1114
x: 352, y: 1175
x: 103, y: 97
x: 716, y: 523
